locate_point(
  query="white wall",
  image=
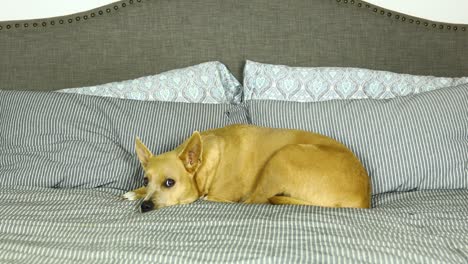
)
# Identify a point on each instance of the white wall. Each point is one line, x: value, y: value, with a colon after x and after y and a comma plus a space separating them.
x: 451, y: 11
x: 30, y: 9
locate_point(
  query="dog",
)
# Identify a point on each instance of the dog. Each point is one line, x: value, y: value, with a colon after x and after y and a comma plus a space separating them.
x: 253, y: 165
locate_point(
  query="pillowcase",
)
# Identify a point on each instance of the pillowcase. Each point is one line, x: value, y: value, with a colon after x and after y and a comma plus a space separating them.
x: 59, y: 140
x: 300, y: 84
x: 209, y: 82
x: 415, y: 142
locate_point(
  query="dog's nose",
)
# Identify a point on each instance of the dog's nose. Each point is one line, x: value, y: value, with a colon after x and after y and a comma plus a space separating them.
x: 147, y: 206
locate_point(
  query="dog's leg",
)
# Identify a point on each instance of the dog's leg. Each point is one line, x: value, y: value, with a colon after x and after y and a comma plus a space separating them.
x: 214, y: 199
x: 135, y: 194
x: 311, y: 175
x: 288, y: 200
x: 261, y: 195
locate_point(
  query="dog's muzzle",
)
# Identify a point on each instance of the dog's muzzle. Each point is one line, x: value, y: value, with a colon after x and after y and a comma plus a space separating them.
x: 147, y: 206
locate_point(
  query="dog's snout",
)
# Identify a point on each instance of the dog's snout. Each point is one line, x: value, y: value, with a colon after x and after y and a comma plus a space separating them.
x: 147, y: 206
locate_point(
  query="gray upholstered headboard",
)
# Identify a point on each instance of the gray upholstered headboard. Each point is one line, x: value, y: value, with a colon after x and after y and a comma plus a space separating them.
x: 133, y: 38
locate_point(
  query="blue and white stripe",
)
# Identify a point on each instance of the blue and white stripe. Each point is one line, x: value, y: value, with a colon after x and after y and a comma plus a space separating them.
x: 415, y: 142
x: 42, y: 225
x: 63, y: 140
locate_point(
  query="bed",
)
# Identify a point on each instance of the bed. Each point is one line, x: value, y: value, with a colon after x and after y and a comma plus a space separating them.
x: 48, y: 216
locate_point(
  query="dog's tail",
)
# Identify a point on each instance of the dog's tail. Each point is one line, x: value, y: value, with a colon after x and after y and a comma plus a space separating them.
x: 287, y: 200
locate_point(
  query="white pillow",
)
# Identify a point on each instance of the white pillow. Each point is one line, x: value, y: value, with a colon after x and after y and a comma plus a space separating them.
x: 209, y: 82
x: 310, y: 84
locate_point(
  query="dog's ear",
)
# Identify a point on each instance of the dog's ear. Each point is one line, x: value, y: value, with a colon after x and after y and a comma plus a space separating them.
x: 142, y: 152
x: 191, y: 156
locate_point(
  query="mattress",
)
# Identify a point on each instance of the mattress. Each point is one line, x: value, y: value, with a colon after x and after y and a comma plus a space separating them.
x: 44, y: 225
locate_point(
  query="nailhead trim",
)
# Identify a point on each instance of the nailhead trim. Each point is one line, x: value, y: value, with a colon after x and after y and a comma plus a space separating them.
x: 108, y: 10
x: 401, y: 17
x: 359, y: 4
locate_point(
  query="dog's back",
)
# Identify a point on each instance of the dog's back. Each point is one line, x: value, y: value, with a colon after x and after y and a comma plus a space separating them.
x: 244, y: 154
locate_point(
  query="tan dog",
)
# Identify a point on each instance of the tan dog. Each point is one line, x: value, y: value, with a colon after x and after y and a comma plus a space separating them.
x: 244, y: 163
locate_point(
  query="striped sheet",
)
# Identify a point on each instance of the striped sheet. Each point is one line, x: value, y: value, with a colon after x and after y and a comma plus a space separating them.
x: 406, y: 143
x: 39, y: 225
x: 88, y: 141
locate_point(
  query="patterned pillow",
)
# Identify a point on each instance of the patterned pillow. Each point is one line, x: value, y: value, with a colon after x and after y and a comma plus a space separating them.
x: 209, y: 82
x: 300, y: 84
x: 415, y: 142
x: 60, y: 140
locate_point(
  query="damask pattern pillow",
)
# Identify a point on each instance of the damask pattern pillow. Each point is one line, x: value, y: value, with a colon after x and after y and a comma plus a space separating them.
x: 209, y: 82
x: 310, y: 84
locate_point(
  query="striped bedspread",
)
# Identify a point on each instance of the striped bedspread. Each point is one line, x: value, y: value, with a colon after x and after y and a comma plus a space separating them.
x: 96, y: 226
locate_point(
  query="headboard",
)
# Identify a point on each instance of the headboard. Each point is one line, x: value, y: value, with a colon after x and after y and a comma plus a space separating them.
x: 133, y: 38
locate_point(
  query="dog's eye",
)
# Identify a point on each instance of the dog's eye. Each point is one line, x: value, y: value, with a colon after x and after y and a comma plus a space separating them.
x: 169, y: 183
x: 145, y: 181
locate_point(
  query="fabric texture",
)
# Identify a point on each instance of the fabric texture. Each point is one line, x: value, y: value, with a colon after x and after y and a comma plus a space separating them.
x: 310, y: 84
x: 59, y: 140
x: 209, y: 82
x: 413, y: 142
x: 129, y: 39
x: 93, y: 226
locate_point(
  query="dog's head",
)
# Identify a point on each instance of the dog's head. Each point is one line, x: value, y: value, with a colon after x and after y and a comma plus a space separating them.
x: 169, y: 177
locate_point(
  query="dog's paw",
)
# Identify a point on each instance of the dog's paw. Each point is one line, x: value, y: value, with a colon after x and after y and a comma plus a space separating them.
x: 131, y: 196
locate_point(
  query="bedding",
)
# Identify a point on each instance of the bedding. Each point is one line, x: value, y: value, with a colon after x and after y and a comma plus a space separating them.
x: 127, y: 39
x: 414, y: 142
x: 43, y: 225
x: 81, y: 141
x: 209, y: 82
x: 310, y: 84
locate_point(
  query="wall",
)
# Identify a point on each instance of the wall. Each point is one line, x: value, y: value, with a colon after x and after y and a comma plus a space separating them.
x: 30, y: 9
x: 451, y: 11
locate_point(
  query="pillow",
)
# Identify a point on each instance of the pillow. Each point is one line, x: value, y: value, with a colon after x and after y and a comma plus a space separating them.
x: 209, y: 82
x: 414, y: 142
x: 279, y: 82
x: 59, y: 140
